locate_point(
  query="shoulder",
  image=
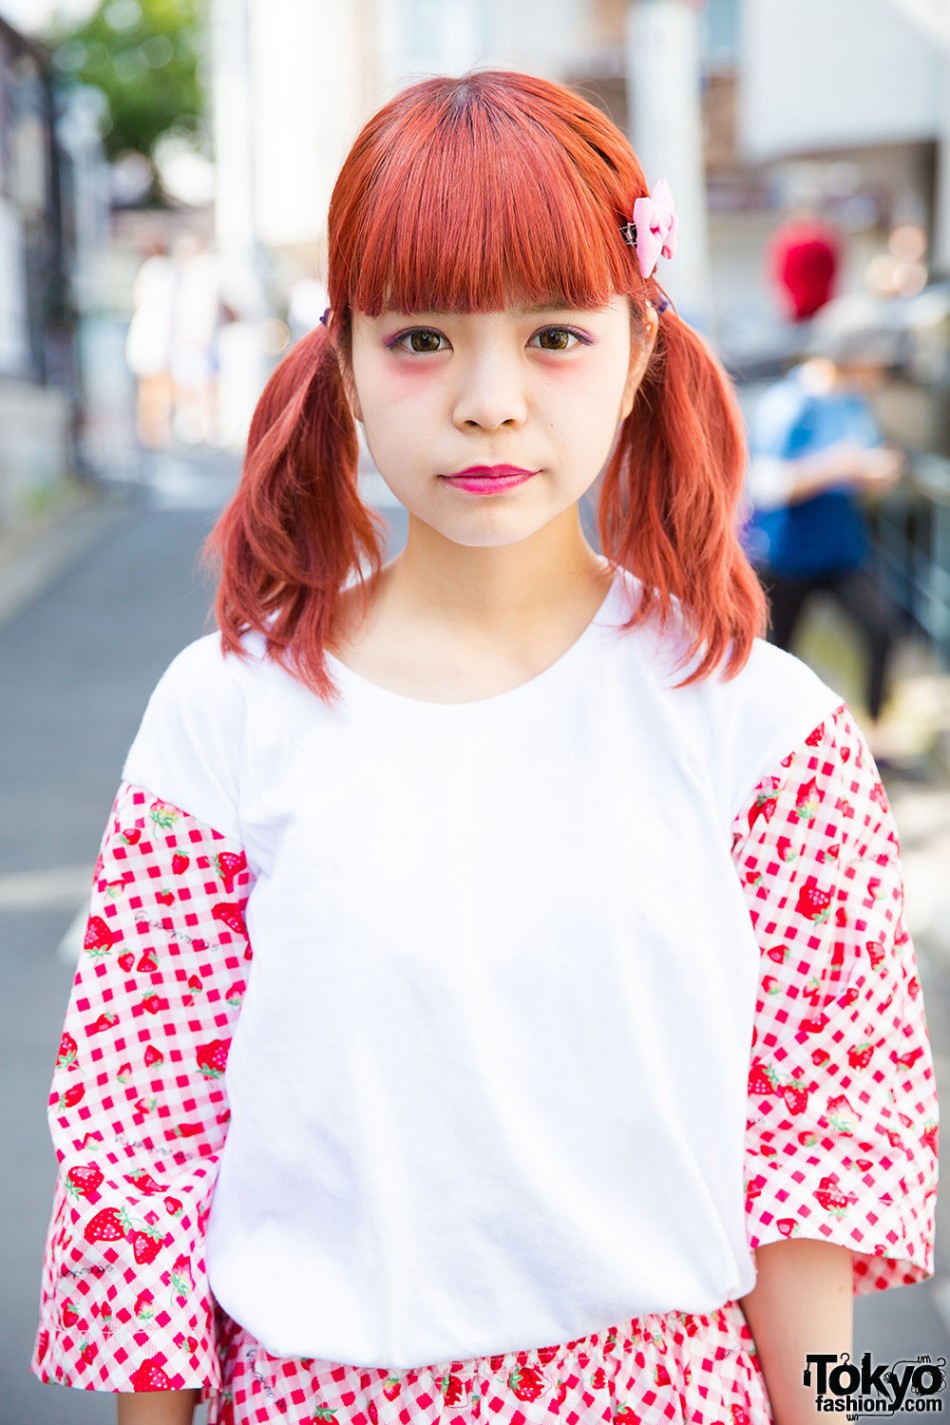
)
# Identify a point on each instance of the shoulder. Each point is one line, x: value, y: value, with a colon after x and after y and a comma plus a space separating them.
x: 769, y: 679
x: 765, y: 713
x: 189, y: 745
x: 768, y: 675
x: 775, y: 689
x: 206, y: 683
x: 205, y: 667
x: 733, y: 729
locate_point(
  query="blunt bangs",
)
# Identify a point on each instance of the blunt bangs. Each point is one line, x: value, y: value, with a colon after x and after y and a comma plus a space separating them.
x: 493, y: 191
x: 477, y: 194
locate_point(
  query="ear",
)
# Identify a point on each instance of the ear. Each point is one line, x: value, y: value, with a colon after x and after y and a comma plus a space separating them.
x: 640, y: 354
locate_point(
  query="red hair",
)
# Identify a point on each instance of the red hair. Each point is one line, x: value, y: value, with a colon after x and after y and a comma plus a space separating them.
x: 474, y: 194
x: 804, y: 257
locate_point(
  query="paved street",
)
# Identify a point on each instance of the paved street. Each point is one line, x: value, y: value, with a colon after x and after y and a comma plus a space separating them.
x: 81, y: 649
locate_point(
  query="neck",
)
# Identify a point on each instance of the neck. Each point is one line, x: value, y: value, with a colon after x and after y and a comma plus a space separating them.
x: 496, y: 593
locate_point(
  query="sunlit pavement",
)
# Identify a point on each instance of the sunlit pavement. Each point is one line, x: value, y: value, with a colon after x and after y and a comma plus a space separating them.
x: 107, y: 605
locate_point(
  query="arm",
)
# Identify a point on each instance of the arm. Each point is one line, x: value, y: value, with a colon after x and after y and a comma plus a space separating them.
x: 776, y: 481
x: 845, y: 464
x: 138, y: 1111
x: 802, y: 1303
x: 158, y: 1407
x: 841, y: 1140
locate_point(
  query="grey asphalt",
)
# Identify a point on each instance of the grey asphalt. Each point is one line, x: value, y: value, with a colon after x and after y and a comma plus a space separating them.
x: 80, y: 662
x: 80, y: 656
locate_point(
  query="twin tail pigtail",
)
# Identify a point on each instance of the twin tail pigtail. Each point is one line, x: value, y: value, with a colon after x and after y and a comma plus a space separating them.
x: 671, y: 503
x: 296, y: 530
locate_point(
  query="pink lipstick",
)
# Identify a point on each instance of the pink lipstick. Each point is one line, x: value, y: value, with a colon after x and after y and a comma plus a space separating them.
x: 488, y: 479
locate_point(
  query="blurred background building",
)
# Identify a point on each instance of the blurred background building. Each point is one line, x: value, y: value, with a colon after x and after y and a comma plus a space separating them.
x: 755, y: 109
x: 196, y: 142
x: 36, y: 360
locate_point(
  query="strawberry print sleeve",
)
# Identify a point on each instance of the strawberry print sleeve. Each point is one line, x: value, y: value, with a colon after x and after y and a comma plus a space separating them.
x: 138, y: 1111
x: 841, y: 1140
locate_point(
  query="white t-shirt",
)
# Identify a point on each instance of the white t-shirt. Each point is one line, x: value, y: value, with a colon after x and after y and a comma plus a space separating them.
x: 488, y: 1085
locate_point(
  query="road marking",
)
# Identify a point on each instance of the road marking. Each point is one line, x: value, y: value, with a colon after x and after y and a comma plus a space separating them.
x: 69, y: 948
x: 59, y: 888
x: 54, y: 889
x: 182, y: 484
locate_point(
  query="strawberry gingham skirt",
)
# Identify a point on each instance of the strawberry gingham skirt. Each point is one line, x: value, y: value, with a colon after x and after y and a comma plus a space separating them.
x: 677, y: 1368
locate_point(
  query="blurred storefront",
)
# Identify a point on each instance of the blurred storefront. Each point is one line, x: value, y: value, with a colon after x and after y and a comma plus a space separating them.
x: 36, y: 351
x: 839, y: 110
x: 839, y: 113
x: 293, y: 83
x: 833, y: 112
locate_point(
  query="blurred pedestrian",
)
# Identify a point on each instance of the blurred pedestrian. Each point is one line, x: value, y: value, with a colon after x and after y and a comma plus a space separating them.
x: 469, y: 983
x: 308, y: 302
x: 817, y: 453
x: 148, y: 347
x: 197, y: 317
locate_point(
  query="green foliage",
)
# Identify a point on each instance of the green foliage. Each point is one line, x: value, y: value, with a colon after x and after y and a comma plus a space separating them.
x: 144, y: 55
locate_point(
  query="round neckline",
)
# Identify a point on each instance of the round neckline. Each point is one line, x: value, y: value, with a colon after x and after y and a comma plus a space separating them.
x: 362, y: 695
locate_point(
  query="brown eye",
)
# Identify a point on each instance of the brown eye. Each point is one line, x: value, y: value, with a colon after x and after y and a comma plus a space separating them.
x: 422, y: 341
x: 557, y: 339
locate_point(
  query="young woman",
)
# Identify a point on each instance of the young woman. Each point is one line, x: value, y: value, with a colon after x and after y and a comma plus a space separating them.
x: 497, y: 1002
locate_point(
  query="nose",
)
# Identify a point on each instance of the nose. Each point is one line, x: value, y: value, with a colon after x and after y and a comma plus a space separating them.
x: 490, y: 392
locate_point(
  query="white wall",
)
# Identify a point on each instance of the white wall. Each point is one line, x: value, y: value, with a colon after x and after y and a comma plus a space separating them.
x: 824, y: 74
x: 320, y: 68
x: 14, y: 329
x: 547, y: 36
x: 423, y: 37
x: 309, y: 82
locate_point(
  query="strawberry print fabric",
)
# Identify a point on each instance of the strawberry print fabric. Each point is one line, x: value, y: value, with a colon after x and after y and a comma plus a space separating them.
x: 673, y: 1367
x: 138, y: 1110
x: 840, y: 1146
x: 843, y: 1116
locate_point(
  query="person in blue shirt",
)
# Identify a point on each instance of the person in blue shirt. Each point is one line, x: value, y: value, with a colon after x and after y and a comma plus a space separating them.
x: 816, y: 450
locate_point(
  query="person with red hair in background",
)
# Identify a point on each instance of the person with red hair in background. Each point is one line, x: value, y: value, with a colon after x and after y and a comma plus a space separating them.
x: 804, y: 256
x: 496, y: 1001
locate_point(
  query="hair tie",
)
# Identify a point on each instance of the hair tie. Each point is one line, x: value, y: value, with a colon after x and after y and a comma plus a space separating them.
x: 653, y: 228
x: 325, y: 316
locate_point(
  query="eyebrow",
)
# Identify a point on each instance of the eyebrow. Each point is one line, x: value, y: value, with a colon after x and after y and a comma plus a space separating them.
x: 562, y: 305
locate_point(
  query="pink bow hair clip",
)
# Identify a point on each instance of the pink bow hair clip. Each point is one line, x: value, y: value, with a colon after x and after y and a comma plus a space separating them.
x: 653, y: 230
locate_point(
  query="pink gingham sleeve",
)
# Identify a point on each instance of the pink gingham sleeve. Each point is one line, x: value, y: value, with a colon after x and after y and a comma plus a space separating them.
x: 841, y: 1140
x: 138, y: 1110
